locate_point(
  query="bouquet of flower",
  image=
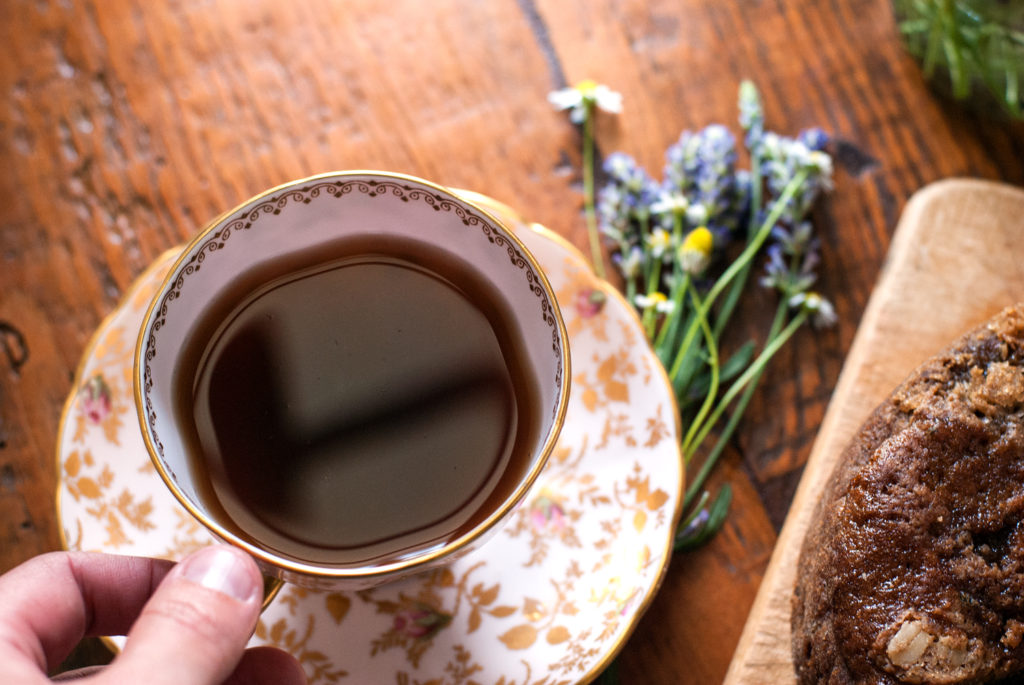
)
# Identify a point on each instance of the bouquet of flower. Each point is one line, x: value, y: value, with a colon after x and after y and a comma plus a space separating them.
x: 686, y: 247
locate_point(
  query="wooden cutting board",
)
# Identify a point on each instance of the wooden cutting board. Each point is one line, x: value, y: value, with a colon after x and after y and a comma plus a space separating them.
x: 956, y: 259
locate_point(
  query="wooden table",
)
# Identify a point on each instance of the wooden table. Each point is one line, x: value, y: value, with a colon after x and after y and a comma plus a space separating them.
x: 126, y: 125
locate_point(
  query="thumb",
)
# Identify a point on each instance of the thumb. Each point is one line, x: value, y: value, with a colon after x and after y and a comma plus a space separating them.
x: 195, y: 626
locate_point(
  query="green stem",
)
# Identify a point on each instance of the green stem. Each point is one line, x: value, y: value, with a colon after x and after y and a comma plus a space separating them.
x: 671, y: 325
x: 680, y: 282
x: 737, y: 266
x: 645, y: 230
x: 588, y: 192
x: 737, y: 413
x: 757, y: 367
x: 709, y: 398
x: 730, y: 426
x: 650, y: 311
x: 733, y: 297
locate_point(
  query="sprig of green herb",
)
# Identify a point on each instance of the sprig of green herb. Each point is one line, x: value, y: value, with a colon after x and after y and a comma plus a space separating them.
x: 969, y: 46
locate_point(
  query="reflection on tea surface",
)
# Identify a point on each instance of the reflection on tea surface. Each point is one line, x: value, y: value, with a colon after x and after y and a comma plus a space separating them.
x: 356, y: 411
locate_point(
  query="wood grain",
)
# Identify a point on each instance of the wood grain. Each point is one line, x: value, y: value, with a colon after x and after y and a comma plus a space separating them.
x: 125, y: 125
x: 955, y: 261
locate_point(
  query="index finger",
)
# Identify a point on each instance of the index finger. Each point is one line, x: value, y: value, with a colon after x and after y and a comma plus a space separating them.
x: 49, y: 603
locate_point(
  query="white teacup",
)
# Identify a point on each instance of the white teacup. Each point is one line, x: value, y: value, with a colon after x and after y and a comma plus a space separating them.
x: 436, y: 500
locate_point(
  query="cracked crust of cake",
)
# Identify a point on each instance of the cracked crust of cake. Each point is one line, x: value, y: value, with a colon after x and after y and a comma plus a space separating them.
x: 913, y: 569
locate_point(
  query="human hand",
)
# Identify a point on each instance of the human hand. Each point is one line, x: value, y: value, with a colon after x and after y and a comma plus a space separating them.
x: 186, y: 623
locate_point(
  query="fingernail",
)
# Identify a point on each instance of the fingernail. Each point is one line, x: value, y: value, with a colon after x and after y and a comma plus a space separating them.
x: 223, y: 570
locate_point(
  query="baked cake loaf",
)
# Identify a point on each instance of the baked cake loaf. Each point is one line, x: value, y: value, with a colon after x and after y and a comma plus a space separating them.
x: 913, y: 568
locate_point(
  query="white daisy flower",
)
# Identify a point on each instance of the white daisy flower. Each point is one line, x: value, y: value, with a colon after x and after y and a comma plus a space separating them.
x: 658, y: 301
x: 584, y: 95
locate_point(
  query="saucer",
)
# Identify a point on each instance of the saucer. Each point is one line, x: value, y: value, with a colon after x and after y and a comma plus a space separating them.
x: 550, y: 599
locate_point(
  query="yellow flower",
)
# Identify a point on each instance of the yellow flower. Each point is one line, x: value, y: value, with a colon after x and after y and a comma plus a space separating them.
x: 695, y: 252
x: 587, y: 87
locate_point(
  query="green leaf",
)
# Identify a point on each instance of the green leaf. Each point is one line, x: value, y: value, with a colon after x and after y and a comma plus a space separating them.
x: 732, y: 367
x: 740, y: 360
x: 691, y: 537
x: 691, y: 364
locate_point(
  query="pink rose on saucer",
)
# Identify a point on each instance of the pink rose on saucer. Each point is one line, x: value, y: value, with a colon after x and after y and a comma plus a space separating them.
x: 420, y: 621
x: 96, y: 403
x: 589, y: 302
x: 547, y: 514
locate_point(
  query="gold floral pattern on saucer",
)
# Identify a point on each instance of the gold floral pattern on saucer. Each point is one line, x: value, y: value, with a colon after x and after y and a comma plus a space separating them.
x: 550, y: 599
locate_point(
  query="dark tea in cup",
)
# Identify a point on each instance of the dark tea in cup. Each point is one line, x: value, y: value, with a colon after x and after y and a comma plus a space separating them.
x: 352, y: 377
x: 365, y: 403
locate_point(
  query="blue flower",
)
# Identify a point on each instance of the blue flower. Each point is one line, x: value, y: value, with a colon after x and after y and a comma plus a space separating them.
x: 703, y: 189
x: 751, y: 114
x: 625, y: 199
x: 787, y: 281
x: 814, y: 138
x: 702, y: 167
x: 781, y: 159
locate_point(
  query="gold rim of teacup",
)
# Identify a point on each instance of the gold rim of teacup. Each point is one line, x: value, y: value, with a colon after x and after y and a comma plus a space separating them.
x: 382, y: 572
